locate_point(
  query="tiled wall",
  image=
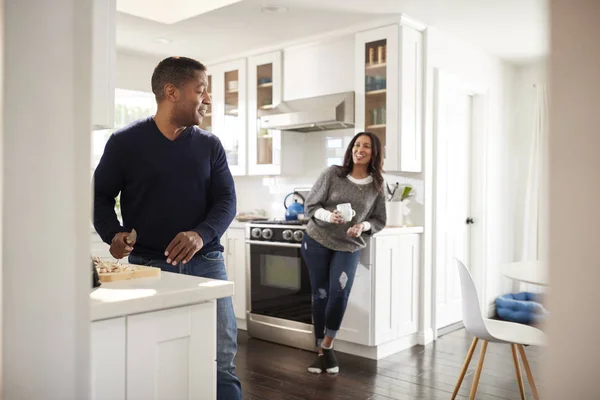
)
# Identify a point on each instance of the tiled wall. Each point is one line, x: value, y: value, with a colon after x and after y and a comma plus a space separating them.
x: 319, y: 150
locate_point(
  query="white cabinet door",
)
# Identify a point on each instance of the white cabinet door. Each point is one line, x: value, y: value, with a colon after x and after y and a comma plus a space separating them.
x: 327, y: 73
x: 383, y: 290
x: 236, y: 268
x: 104, y: 63
x: 408, y: 261
x: 228, y: 86
x: 388, y: 88
x: 108, y: 356
x: 411, y: 95
x: 396, y: 286
x: 171, y: 354
x: 356, y: 326
x: 264, y: 92
x: 376, y: 72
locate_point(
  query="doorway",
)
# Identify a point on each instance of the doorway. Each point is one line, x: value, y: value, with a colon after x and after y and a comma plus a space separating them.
x: 454, y: 111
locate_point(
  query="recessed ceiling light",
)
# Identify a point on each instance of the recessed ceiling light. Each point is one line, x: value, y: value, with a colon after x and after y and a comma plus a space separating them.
x: 162, y: 40
x: 274, y: 9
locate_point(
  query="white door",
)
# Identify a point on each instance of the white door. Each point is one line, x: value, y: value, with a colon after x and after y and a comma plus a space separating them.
x: 452, y: 146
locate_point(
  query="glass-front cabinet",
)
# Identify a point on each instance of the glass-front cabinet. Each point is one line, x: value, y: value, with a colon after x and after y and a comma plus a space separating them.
x: 228, y: 114
x: 264, y: 92
x: 376, y: 88
x: 388, y: 93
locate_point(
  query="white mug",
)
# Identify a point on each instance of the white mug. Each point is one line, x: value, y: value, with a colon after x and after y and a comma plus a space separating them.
x: 346, y: 210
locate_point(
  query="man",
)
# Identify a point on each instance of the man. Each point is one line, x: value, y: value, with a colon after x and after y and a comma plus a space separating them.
x: 176, y: 192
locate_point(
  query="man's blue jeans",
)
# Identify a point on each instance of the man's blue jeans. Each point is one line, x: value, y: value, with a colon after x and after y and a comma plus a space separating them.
x: 211, y: 265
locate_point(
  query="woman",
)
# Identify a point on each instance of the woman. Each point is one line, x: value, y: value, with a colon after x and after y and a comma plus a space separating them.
x: 332, y: 244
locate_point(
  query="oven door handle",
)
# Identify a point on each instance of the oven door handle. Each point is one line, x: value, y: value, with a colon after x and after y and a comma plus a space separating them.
x: 276, y: 244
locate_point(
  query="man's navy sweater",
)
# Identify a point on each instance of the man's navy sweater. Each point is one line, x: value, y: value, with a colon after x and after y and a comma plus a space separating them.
x: 166, y: 187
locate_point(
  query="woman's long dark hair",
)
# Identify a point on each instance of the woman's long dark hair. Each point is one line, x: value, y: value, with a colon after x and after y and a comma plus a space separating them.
x: 375, y: 166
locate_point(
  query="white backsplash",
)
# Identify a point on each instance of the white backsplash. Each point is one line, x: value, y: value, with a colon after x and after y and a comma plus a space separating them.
x: 320, y: 149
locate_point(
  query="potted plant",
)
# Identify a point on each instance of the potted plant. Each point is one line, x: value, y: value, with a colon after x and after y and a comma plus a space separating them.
x: 397, y: 204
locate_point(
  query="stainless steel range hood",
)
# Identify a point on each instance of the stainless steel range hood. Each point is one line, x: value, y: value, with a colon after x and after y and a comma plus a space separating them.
x: 322, y: 113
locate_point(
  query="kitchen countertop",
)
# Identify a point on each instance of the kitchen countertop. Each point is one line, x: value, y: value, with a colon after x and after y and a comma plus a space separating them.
x: 394, y: 230
x: 235, y: 224
x: 121, y: 298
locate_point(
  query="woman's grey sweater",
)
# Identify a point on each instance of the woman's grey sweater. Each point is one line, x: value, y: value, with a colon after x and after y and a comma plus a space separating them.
x: 331, y: 189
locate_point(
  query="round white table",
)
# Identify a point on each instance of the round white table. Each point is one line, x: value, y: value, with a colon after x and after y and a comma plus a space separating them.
x: 533, y: 272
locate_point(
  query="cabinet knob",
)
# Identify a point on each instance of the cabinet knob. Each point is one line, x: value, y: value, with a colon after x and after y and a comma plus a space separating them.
x: 470, y: 221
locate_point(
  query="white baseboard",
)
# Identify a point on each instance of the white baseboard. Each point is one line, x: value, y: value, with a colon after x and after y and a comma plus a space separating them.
x: 242, y: 324
x: 425, y: 337
x: 377, y: 352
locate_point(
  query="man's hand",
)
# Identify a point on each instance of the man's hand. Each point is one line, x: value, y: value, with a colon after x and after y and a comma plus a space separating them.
x: 356, y: 230
x: 336, y: 217
x: 183, y: 247
x: 119, y: 247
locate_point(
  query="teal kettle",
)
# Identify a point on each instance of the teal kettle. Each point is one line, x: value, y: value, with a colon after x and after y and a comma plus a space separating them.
x: 292, y: 211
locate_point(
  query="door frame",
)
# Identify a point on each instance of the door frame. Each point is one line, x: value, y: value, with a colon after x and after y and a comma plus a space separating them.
x: 477, y: 184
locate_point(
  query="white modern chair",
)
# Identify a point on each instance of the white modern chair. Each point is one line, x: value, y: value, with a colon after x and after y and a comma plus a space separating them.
x: 489, y: 330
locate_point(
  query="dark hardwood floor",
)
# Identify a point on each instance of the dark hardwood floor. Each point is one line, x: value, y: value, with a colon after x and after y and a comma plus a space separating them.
x: 272, y: 372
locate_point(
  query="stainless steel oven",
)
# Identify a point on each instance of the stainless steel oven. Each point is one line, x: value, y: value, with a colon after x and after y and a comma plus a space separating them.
x: 278, y: 285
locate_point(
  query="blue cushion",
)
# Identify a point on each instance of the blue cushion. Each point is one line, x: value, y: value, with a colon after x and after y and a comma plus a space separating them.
x: 523, y: 308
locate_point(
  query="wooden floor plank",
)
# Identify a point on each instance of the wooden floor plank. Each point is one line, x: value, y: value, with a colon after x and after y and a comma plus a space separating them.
x: 273, y: 372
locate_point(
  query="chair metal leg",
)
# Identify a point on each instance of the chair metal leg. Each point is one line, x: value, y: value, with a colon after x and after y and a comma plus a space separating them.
x: 478, y: 372
x: 518, y: 370
x: 465, y: 367
x: 536, y: 395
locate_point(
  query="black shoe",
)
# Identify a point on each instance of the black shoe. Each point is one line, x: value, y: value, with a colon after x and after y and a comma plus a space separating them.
x: 330, y: 362
x: 317, y: 366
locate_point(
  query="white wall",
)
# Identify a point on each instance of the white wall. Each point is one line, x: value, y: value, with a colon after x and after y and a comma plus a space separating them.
x: 46, y: 273
x: 268, y: 193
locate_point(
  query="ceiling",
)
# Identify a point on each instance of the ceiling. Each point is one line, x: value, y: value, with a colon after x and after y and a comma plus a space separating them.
x: 170, y: 11
x: 513, y: 30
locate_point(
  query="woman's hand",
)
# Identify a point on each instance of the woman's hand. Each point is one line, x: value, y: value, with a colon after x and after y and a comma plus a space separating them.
x: 356, y: 230
x: 336, y: 218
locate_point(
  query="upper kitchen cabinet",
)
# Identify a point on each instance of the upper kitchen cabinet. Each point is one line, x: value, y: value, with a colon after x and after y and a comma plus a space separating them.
x: 388, y: 86
x: 228, y: 114
x: 264, y: 92
x: 327, y: 73
x: 104, y: 64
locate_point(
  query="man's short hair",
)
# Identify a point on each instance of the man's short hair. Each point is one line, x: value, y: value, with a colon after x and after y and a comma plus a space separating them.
x: 174, y: 70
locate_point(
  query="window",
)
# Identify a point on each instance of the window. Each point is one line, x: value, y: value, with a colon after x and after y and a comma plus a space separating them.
x: 130, y: 105
x: 336, y: 149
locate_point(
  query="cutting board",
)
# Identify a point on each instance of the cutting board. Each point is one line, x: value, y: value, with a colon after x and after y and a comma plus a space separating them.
x: 141, y: 271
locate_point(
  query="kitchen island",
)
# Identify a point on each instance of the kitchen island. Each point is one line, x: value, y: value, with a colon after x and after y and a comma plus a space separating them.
x: 155, y: 338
